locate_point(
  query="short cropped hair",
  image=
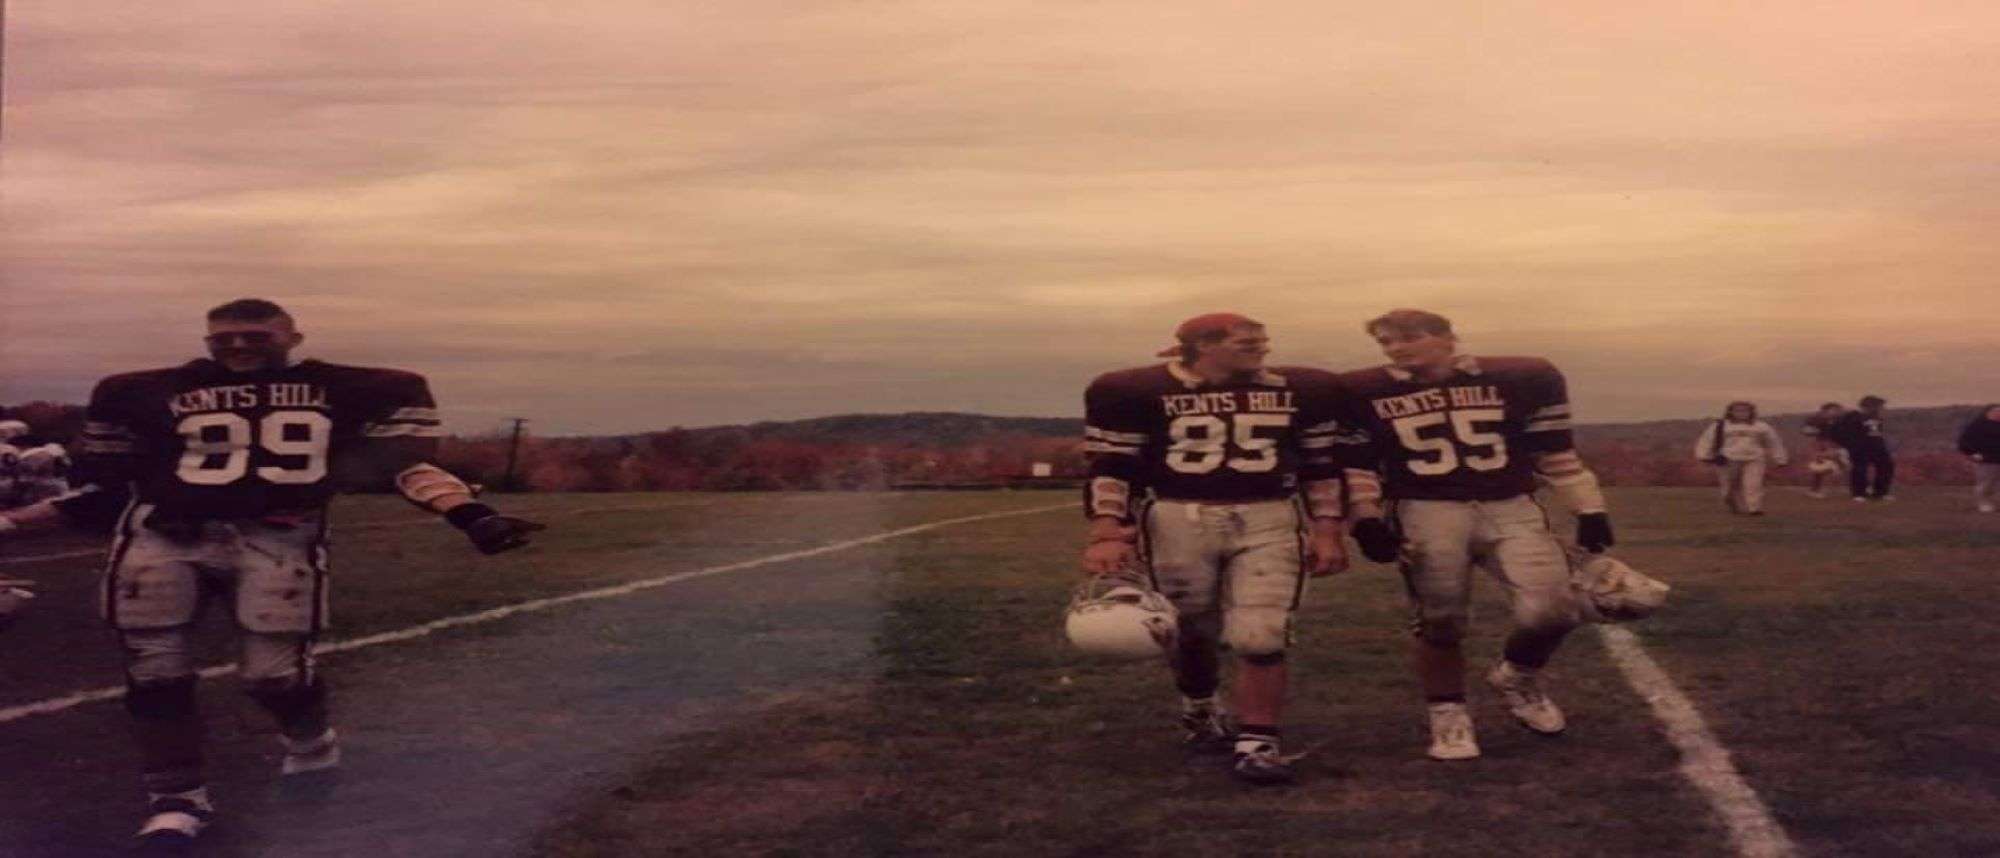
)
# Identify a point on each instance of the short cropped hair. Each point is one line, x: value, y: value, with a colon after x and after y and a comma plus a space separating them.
x: 249, y: 310
x: 1826, y: 405
x: 1406, y: 321
x: 1873, y: 400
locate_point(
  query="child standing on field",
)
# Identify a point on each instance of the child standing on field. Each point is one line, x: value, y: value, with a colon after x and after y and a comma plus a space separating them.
x: 1739, y: 445
x: 1980, y: 442
x: 1829, y: 459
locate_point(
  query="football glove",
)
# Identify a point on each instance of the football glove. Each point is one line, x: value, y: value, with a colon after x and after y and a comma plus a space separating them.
x: 1378, y: 540
x: 490, y: 531
x: 1593, y: 532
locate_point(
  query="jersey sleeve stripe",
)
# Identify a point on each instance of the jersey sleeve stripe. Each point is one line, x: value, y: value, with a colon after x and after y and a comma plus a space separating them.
x: 1560, y: 409
x: 1547, y: 426
x: 402, y: 430
x: 1095, y: 433
x: 1102, y: 447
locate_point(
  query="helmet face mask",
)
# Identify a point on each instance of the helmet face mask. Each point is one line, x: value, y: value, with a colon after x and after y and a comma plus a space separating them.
x: 1120, y: 616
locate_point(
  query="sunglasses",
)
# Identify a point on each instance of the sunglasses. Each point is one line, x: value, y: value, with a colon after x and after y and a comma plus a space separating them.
x: 248, y: 338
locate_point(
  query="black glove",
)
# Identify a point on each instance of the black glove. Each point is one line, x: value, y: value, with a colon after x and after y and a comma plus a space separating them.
x: 1378, y: 540
x: 490, y: 531
x: 1593, y: 532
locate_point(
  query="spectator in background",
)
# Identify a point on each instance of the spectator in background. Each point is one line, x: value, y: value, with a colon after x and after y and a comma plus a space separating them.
x: 1860, y: 432
x: 1980, y: 441
x: 1739, y: 445
x: 1828, y: 458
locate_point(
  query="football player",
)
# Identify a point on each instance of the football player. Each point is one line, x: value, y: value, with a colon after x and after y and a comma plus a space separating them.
x: 1197, y: 469
x: 1459, y: 444
x: 223, y: 468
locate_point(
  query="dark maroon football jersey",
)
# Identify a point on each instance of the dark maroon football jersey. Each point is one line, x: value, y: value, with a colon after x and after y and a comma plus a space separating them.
x: 1473, y: 436
x: 1163, y: 429
x: 203, y: 441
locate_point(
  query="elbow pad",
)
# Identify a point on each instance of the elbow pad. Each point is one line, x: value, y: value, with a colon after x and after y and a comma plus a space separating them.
x: 424, y: 483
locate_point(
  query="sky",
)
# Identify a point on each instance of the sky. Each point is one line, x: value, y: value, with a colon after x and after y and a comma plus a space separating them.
x: 624, y: 215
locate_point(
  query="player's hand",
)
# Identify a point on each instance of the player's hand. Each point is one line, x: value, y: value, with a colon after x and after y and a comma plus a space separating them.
x: 1326, y: 548
x: 1593, y: 532
x: 1108, y: 556
x: 1378, y: 540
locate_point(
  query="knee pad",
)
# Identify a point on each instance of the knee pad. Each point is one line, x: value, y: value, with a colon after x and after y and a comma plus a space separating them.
x: 1252, y: 632
x: 162, y: 700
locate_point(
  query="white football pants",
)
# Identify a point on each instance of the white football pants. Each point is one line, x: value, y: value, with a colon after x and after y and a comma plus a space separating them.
x: 1238, y: 562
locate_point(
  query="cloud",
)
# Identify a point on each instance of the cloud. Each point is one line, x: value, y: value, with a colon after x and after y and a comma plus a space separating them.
x: 888, y: 205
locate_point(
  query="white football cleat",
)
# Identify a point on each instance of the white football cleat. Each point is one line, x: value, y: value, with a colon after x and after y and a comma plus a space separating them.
x: 176, y: 819
x: 310, y: 755
x: 1525, y: 698
x: 1451, y: 733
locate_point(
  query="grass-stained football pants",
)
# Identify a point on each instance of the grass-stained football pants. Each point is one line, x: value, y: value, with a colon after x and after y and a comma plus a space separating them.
x: 1239, y: 563
x: 1443, y: 540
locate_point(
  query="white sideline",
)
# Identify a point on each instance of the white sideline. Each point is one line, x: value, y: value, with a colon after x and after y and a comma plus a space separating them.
x: 58, y: 704
x: 1704, y: 761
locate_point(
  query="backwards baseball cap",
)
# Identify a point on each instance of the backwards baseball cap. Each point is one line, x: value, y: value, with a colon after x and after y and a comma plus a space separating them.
x: 1206, y: 326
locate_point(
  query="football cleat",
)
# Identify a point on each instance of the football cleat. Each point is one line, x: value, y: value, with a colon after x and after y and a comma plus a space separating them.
x: 1525, y: 698
x: 310, y: 755
x: 1451, y: 733
x: 1206, y: 731
x: 1258, y: 761
x: 176, y: 819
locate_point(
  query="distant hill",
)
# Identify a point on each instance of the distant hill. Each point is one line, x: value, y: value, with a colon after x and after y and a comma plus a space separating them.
x: 1912, y: 429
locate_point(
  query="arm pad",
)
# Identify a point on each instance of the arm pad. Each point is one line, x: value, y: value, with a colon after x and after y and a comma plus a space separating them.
x: 1566, y: 476
x: 424, y: 484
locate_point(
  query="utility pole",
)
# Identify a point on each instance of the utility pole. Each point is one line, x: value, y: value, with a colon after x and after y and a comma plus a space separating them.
x: 513, y: 454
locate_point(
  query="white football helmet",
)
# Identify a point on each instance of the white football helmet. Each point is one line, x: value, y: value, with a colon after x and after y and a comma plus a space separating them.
x: 1611, y: 592
x: 1121, y: 616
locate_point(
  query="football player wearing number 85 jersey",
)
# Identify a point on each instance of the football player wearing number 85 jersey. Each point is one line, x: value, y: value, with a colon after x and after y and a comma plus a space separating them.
x: 223, y: 468
x: 1197, y: 469
x: 1460, y: 444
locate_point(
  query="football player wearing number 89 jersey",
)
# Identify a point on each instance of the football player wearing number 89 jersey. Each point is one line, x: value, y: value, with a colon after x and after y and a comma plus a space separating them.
x: 1460, y: 444
x: 223, y: 468
x: 1197, y: 467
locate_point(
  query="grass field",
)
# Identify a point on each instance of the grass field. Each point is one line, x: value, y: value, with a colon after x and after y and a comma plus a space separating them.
x: 1843, y: 653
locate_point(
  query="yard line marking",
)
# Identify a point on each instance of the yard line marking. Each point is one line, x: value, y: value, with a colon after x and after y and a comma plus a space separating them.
x: 58, y: 704
x: 370, y: 525
x: 1704, y: 761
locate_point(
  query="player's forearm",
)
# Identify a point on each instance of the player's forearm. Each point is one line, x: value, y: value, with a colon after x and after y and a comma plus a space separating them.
x: 1566, y: 476
x: 1364, y: 493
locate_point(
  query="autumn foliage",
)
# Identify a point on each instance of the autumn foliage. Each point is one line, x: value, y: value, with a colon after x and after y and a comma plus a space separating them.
x: 872, y: 452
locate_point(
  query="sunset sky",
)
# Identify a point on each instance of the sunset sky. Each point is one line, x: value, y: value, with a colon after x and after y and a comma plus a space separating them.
x: 615, y: 215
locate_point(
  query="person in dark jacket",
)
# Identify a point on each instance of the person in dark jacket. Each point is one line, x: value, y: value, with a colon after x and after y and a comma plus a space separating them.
x: 1980, y: 442
x: 1860, y: 431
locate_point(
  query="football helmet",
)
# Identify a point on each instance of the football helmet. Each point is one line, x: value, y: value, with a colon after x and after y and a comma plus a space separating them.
x: 1120, y: 616
x: 1609, y: 591
x: 48, y: 460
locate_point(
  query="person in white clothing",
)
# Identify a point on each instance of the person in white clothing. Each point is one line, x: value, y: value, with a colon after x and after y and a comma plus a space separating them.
x: 1740, y: 446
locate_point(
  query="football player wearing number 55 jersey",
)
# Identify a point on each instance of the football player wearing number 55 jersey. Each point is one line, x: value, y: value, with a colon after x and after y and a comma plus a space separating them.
x: 1197, y: 467
x: 1460, y: 444
x: 223, y: 468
